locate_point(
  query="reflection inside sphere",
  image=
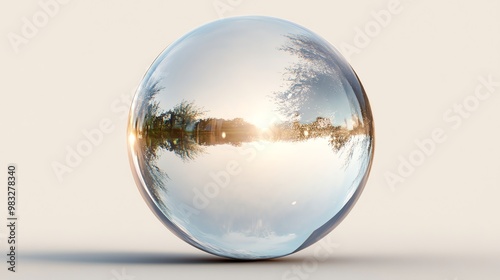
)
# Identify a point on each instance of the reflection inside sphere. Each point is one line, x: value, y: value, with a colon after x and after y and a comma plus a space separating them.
x: 250, y: 137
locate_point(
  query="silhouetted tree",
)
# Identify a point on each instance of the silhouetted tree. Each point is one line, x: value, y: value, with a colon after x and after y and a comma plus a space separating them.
x: 187, y: 113
x: 151, y: 107
x: 316, y: 67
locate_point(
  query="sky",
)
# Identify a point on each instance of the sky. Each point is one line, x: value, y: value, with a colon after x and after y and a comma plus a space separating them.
x: 234, y: 70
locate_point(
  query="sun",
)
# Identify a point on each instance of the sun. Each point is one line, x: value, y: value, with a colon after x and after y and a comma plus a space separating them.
x: 263, y: 126
x: 261, y: 122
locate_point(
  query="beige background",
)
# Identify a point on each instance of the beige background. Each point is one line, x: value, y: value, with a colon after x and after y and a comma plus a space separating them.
x: 82, y: 66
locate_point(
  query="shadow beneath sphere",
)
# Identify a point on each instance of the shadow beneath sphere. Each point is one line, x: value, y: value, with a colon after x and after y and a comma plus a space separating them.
x: 144, y: 258
x: 152, y: 258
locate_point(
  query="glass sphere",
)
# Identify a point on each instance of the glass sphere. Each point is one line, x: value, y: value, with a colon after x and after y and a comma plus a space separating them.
x: 250, y: 137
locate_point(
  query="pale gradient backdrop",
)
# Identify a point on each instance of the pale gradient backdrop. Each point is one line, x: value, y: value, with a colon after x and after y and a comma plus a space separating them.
x: 76, y: 68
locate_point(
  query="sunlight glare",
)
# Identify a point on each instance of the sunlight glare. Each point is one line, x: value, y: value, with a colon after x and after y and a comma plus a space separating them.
x: 131, y: 139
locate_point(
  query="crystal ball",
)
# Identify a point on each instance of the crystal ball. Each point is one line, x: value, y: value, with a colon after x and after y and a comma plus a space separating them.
x: 250, y: 137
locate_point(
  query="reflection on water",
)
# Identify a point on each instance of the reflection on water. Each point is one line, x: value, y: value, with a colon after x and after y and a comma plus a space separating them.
x: 253, y: 170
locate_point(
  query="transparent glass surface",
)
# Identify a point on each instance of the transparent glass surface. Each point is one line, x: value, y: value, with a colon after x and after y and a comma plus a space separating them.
x: 250, y: 137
